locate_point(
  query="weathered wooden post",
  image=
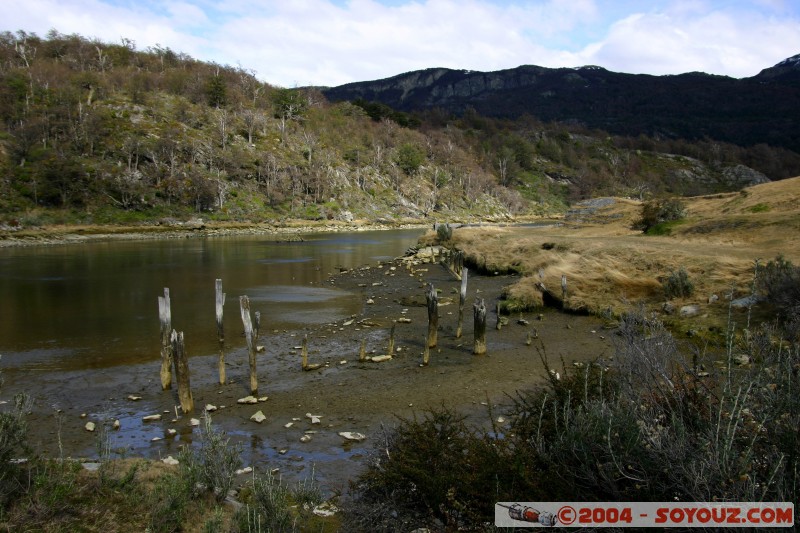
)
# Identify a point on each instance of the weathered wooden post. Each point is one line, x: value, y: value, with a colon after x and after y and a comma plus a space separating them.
x: 256, y: 327
x: 499, y: 322
x: 479, y: 314
x: 220, y: 301
x: 182, y: 372
x: 462, y: 298
x: 390, y: 348
x: 362, y: 351
x: 165, y: 317
x: 433, y: 315
x: 563, y: 287
x: 304, y: 352
x: 244, y: 305
x: 426, y: 355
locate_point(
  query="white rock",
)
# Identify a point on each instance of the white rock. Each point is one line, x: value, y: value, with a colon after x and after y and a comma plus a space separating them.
x: 260, y: 348
x: 380, y: 358
x: 343, y: 362
x: 370, y: 301
x: 258, y: 417
x: 404, y: 320
x: 89, y: 426
x: 151, y: 418
x: 172, y: 432
x: 347, y: 322
x: 501, y: 420
x: 116, y: 424
x: 351, y: 435
x: 210, y: 407
x: 283, y: 451
x: 263, y: 398
x: 168, y: 460
x: 194, y: 422
x: 245, y: 470
x: 689, y: 310
x: 156, y: 439
x: 133, y: 398
x: 247, y: 400
x: 288, y: 424
x: 314, y: 418
x: 325, y: 509
x: 305, y: 438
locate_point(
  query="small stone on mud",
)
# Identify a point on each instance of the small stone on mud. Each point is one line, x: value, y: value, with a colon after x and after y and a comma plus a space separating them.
x: 151, y: 418
x: 194, y: 422
x: 116, y: 424
x: 133, y: 398
x: 168, y: 460
x: 260, y: 348
x: 263, y: 398
x: 247, y: 400
x: 258, y: 417
x: 155, y: 439
x: 210, y: 407
x: 89, y: 426
x: 314, y: 418
x: 305, y: 438
x: 287, y: 425
x: 351, y: 435
x: 404, y: 320
x: 245, y: 470
x: 283, y: 451
x: 172, y: 432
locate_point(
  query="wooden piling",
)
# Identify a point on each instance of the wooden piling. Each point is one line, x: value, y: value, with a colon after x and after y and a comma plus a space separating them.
x: 479, y: 315
x: 462, y: 298
x: 499, y: 324
x: 165, y: 317
x: 563, y: 287
x: 182, y: 372
x: 426, y: 355
x: 433, y: 315
x: 244, y: 306
x: 390, y: 348
x: 362, y: 351
x: 304, y: 352
x: 220, y: 303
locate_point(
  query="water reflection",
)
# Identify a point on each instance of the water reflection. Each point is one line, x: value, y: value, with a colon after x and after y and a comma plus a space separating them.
x: 94, y: 305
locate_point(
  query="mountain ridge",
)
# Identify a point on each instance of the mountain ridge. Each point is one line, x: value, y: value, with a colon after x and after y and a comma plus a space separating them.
x: 692, y: 105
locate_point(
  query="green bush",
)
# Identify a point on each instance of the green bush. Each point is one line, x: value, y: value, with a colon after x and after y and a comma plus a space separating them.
x: 677, y: 284
x: 212, y: 466
x: 13, y: 432
x: 655, y: 213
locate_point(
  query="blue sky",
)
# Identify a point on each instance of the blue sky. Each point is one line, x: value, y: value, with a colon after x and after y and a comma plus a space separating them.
x: 330, y: 42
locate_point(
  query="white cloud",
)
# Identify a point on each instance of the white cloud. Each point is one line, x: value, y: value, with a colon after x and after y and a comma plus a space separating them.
x: 325, y: 43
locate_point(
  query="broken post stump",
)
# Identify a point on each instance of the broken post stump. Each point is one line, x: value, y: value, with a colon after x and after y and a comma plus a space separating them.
x: 220, y: 302
x: 362, y: 351
x: 165, y: 317
x: 390, y: 347
x: 432, y: 300
x: 479, y: 315
x: 244, y: 306
x: 499, y: 324
x: 563, y: 287
x: 462, y: 297
x: 426, y: 355
x: 182, y: 372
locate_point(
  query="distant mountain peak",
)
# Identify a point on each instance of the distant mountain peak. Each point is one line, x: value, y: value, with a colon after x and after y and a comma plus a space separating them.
x: 793, y: 61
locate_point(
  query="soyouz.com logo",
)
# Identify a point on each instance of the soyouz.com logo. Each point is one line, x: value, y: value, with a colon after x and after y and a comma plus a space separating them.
x: 644, y: 514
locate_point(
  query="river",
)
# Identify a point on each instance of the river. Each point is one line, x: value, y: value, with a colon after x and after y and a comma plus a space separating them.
x: 94, y: 305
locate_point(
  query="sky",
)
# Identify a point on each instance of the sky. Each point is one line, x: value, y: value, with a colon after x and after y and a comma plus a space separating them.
x: 331, y: 42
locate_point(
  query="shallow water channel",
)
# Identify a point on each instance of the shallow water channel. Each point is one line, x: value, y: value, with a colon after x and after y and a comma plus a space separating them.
x: 94, y: 305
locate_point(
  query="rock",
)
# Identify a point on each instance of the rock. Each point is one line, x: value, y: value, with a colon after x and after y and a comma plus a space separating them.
x: 263, y: 398
x: 370, y: 301
x: 404, y: 320
x: 743, y: 303
x: 501, y: 420
x: 380, y: 358
x: 247, y: 400
x: 91, y: 467
x: 287, y: 425
x: 689, y: 310
x: 89, y: 426
x: 168, y: 460
x: 305, y: 438
x: 713, y: 299
x: 210, y: 408
x: 741, y: 359
x: 133, y: 398
x: 156, y: 439
x: 258, y: 417
x: 172, y: 432
x: 522, y: 322
x: 668, y: 308
x: 260, y: 348
x: 325, y: 509
x: 245, y: 470
x: 314, y: 418
x: 116, y: 424
x: 194, y: 422
x: 151, y: 418
x: 350, y: 435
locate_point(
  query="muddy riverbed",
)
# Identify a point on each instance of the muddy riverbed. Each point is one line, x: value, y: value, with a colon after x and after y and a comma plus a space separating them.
x: 345, y: 394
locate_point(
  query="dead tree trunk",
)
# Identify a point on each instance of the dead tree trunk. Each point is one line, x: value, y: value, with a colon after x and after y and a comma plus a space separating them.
x: 182, y: 372
x: 479, y: 314
x: 165, y: 316
x: 249, y: 334
x: 220, y: 301
x: 462, y: 297
x: 433, y: 315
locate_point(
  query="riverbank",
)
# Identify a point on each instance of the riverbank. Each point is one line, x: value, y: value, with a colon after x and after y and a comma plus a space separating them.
x: 347, y: 395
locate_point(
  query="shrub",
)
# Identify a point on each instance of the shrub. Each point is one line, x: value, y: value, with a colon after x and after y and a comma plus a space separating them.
x: 444, y: 233
x: 213, y: 465
x: 658, y: 212
x: 779, y: 283
x: 13, y: 431
x: 677, y: 284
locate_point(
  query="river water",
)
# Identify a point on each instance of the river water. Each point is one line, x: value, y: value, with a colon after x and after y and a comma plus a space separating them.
x: 94, y: 305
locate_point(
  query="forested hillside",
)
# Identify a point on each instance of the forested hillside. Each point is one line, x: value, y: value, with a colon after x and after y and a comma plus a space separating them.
x: 103, y: 133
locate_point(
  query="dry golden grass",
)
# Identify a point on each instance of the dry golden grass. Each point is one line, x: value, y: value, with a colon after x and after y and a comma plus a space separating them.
x: 610, y: 266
